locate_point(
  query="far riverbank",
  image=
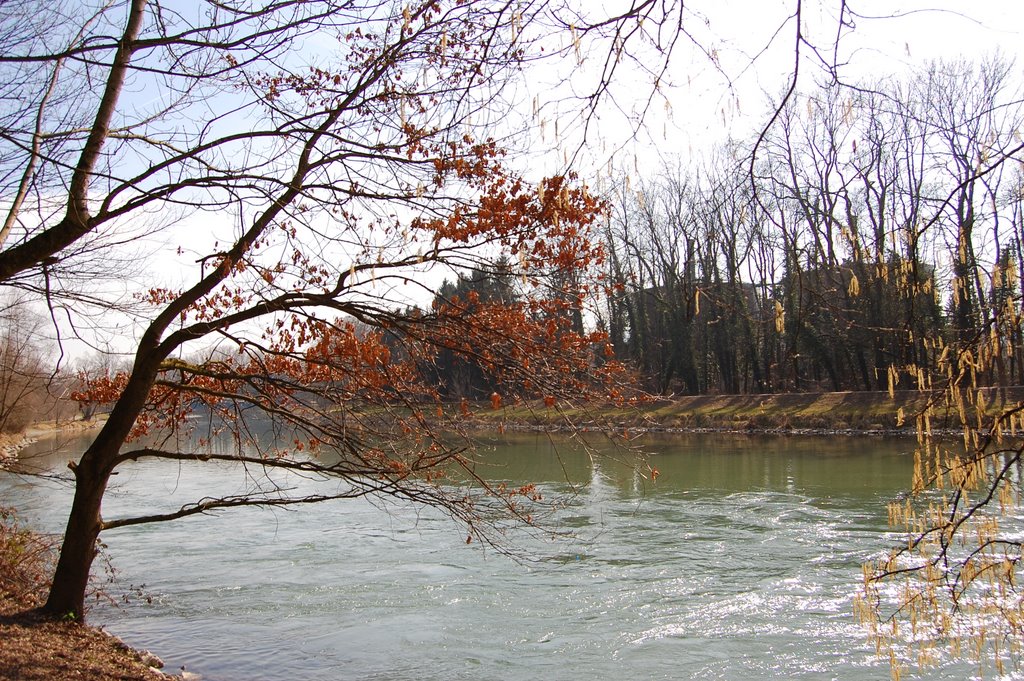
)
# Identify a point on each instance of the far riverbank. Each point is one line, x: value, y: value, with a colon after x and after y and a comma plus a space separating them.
x: 848, y: 413
x: 828, y: 413
x: 12, y: 443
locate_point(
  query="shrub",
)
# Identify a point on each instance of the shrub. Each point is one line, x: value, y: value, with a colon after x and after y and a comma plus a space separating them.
x: 26, y: 561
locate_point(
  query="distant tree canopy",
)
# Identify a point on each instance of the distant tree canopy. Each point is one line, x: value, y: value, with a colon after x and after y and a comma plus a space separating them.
x: 30, y: 390
x: 844, y: 249
x: 459, y: 375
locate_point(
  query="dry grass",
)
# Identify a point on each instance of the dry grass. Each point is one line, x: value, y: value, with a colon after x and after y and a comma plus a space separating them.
x: 815, y: 413
x: 26, y: 561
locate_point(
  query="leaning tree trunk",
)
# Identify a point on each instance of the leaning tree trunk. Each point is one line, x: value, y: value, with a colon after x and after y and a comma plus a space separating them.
x: 92, y: 473
x: 71, y: 579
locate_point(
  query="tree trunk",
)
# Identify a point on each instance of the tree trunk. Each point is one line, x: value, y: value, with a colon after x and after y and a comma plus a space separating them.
x: 71, y: 579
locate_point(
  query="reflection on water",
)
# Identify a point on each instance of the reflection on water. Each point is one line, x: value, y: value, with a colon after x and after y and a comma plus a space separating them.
x: 738, y: 562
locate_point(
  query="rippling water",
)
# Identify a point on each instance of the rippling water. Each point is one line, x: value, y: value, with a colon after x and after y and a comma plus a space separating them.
x: 739, y: 563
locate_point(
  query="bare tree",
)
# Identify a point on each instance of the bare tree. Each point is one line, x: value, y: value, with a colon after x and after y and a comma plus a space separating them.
x: 25, y: 373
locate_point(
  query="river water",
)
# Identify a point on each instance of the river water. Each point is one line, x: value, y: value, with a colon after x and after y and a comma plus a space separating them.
x: 740, y: 562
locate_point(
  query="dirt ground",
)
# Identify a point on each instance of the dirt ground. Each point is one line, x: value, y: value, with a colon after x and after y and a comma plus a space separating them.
x: 33, y: 648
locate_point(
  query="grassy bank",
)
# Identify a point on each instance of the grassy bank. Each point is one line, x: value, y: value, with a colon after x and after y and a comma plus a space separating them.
x: 844, y: 412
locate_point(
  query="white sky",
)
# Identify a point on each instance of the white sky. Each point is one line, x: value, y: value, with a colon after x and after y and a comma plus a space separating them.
x: 753, y: 42
x: 757, y: 60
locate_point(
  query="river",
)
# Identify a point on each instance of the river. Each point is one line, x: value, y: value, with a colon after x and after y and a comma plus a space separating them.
x: 739, y: 562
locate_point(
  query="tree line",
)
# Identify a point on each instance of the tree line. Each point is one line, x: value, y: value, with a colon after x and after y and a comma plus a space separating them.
x: 844, y: 248
x: 31, y: 390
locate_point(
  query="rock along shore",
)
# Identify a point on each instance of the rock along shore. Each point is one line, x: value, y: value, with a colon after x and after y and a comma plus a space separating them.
x: 11, y: 444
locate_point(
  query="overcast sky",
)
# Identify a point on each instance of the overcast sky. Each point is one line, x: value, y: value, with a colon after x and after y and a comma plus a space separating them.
x: 754, y: 44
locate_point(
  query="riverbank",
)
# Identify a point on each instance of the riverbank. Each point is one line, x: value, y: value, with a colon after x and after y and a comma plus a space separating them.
x: 12, y: 443
x: 37, y: 648
x: 834, y: 413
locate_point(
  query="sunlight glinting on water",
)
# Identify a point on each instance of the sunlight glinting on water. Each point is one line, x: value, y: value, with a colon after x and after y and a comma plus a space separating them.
x: 740, y: 563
